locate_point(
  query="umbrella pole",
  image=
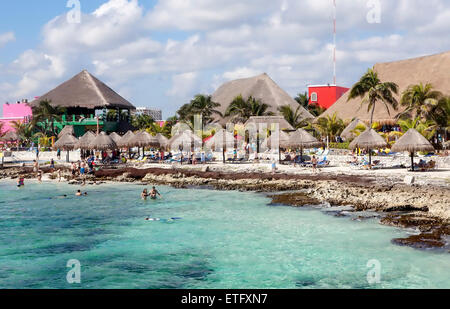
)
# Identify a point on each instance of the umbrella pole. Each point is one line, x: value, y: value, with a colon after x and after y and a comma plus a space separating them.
x: 370, y: 157
x: 412, y: 161
x: 67, y: 157
x: 279, y: 154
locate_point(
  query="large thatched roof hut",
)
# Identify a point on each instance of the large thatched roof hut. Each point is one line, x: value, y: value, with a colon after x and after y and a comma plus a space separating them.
x: 260, y: 87
x: 429, y: 69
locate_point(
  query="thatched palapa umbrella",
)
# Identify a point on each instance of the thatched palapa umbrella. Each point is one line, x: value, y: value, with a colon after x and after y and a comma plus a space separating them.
x: 163, y: 141
x: 283, y: 141
x: 302, y: 139
x: 347, y: 133
x: 143, y: 139
x: 412, y: 142
x: 184, y: 140
x: 86, y: 140
x: 115, y: 137
x: 67, y: 142
x: 222, y: 139
x: 103, y: 142
x: 368, y: 140
x: 123, y: 142
x: 66, y: 130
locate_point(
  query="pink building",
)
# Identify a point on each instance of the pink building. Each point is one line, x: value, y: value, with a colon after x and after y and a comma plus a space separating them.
x: 19, y: 111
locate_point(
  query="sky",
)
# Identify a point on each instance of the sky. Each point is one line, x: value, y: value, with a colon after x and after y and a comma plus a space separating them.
x: 160, y: 53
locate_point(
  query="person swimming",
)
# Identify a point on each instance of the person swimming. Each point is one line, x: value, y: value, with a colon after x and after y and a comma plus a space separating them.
x: 154, y: 194
x: 20, y: 182
x: 144, y: 194
x: 78, y: 193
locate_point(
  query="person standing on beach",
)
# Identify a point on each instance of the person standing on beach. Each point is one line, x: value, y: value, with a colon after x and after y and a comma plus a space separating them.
x: 35, y: 167
x: 52, y: 165
x: 59, y: 175
x: 314, y: 164
x: 37, y: 151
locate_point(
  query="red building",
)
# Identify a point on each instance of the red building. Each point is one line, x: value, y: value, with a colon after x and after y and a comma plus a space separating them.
x: 325, y: 95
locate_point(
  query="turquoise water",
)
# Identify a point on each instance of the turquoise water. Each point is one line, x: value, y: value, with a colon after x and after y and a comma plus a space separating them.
x: 224, y: 240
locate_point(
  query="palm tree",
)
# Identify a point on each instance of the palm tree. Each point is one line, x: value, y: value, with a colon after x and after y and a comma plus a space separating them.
x: 372, y: 90
x: 241, y: 110
x: 330, y: 126
x: 24, y: 130
x: 420, y: 100
x: 204, y: 106
x: 425, y: 127
x: 45, y: 113
x: 303, y: 99
x: 142, y: 122
x: 294, y: 118
x: 314, y: 109
x: 165, y: 130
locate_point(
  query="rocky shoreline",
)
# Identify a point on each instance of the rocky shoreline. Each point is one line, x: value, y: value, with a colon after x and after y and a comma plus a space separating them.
x: 425, y: 209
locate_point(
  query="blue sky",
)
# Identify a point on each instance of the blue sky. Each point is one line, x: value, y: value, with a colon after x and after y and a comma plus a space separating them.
x: 159, y: 53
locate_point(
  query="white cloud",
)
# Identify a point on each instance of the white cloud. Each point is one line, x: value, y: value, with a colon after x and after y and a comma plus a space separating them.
x: 6, y: 37
x: 183, y: 85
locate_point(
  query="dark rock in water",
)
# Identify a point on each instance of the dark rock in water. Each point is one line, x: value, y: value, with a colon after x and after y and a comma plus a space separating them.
x: 406, y: 208
x: 294, y: 199
x: 422, y: 241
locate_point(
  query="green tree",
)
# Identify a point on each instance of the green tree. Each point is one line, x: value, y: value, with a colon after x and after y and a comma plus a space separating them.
x: 24, y: 130
x: 45, y: 115
x: 313, y: 108
x: 165, y: 130
x: 420, y: 100
x: 241, y: 110
x: 142, y: 122
x: 372, y: 90
x: 425, y: 127
x: 294, y: 118
x: 330, y: 126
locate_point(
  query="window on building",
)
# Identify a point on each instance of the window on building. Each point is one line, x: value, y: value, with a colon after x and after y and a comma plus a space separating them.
x: 314, y: 97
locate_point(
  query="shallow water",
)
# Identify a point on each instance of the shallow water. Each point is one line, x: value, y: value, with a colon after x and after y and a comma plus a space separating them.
x: 224, y: 240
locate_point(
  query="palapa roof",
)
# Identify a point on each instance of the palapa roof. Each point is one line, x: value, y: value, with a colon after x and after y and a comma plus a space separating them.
x: 125, y: 139
x: 222, y: 139
x: 302, y: 139
x: 187, y: 139
x: 66, y: 130
x: 260, y: 87
x: 84, y: 91
x: 370, y: 139
x: 163, y: 141
x: 429, y: 69
x: 143, y: 139
x: 347, y: 133
x: 103, y: 142
x: 116, y: 137
x: 67, y: 142
x: 283, y: 139
x: 86, y: 140
x: 269, y: 120
x: 10, y: 136
x: 412, y: 141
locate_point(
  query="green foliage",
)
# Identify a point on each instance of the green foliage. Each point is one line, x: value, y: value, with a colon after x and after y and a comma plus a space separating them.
x: 24, y: 130
x: 426, y: 128
x: 330, y: 126
x: 241, y: 110
x: 45, y: 115
x: 142, y: 122
x: 420, y: 101
x: 294, y: 118
x: 372, y: 90
x: 340, y: 145
x: 314, y: 109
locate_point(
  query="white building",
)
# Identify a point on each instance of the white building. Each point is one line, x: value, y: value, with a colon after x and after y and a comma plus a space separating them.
x: 154, y: 113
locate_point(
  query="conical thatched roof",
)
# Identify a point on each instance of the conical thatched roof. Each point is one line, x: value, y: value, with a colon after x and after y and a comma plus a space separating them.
x: 347, y: 134
x: 260, y: 87
x: 11, y: 136
x: 103, y: 142
x: 163, y: 141
x: 412, y: 141
x: 187, y: 139
x: 270, y: 121
x: 86, y: 140
x: 368, y: 140
x: 302, y: 139
x: 115, y: 137
x: 123, y: 142
x: 222, y: 139
x: 283, y: 140
x: 66, y: 130
x: 143, y: 139
x: 67, y: 142
x: 85, y: 91
x: 430, y: 69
